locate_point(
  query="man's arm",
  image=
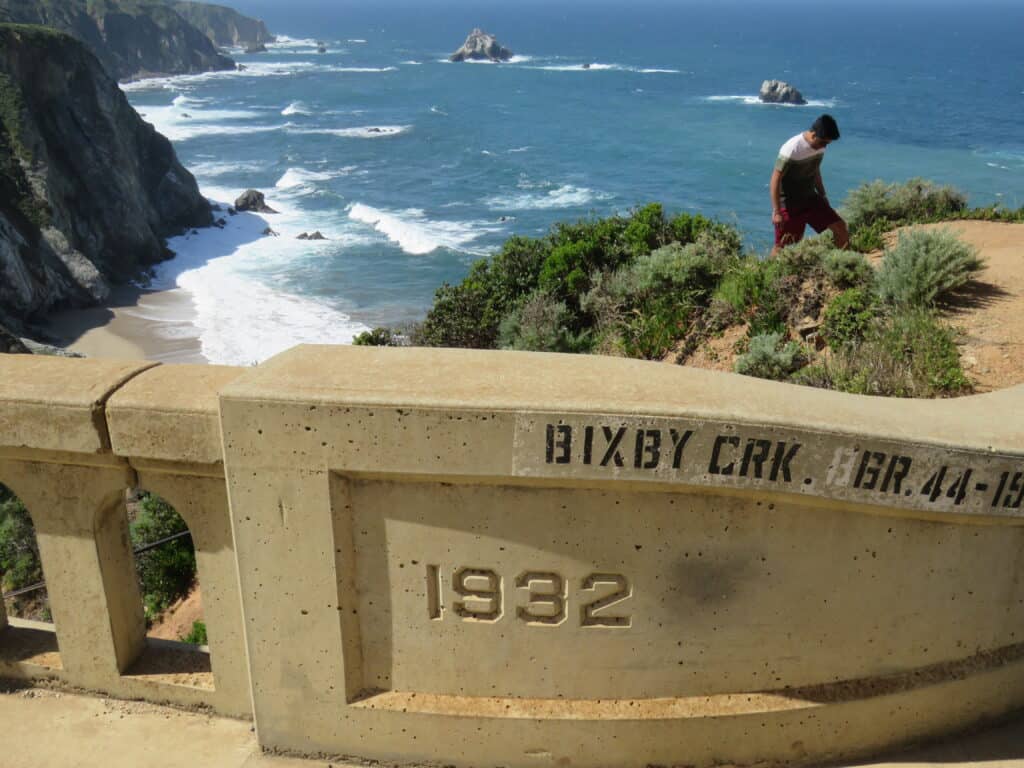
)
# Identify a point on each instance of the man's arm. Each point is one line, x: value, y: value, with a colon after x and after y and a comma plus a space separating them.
x: 773, y: 193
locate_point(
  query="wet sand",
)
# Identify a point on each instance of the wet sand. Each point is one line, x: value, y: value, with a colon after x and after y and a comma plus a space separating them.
x: 136, y: 325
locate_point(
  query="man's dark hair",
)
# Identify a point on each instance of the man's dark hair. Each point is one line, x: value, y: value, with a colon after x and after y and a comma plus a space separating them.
x: 825, y: 127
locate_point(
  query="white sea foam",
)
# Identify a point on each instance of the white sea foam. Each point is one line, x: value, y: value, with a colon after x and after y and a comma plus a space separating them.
x: 300, y: 181
x: 215, y: 168
x: 600, y: 67
x: 438, y: 111
x: 355, y: 40
x: 361, y: 132
x: 254, y: 69
x: 239, y: 319
x: 755, y: 101
x: 412, y: 63
x: 415, y: 233
x: 518, y: 149
x: 296, y: 108
x: 566, y: 196
x: 283, y: 41
x: 360, y: 69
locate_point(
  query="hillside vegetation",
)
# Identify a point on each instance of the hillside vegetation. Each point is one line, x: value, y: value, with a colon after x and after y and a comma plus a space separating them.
x: 647, y: 285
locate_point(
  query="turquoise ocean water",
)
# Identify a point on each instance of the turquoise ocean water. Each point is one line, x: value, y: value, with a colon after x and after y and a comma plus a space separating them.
x: 412, y: 167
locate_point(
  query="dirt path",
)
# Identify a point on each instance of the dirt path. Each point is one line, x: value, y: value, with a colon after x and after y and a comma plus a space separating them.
x: 990, y: 312
x: 177, y: 620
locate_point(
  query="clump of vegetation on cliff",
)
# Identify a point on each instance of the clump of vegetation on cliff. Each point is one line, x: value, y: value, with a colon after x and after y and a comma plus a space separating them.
x: 20, y: 565
x: 660, y: 287
x: 878, y: 207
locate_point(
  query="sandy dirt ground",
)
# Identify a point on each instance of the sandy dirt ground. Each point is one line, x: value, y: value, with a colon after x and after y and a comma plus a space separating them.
x: 177, y: 620
x: 990, y: 312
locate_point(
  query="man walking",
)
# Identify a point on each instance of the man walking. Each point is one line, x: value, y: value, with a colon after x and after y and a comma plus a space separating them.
x: 797, y: 191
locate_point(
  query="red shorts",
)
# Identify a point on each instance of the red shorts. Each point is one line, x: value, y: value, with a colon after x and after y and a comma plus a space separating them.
x: 818, y: 214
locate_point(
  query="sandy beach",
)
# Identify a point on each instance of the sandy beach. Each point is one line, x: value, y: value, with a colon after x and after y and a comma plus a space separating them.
x: 136, y: 325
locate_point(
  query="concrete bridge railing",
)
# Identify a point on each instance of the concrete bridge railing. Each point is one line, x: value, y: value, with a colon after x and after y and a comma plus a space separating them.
x: 523, y: 559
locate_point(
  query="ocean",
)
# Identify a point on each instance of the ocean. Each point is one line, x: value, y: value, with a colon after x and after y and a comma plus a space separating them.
x: 413, y: 167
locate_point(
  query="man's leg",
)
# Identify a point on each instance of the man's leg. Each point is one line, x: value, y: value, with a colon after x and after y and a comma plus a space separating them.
x: 790, y: 231
x: 841, y: 234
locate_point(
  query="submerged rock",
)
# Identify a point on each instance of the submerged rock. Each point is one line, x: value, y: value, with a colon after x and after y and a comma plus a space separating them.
x: 314, y: 236
x: 480, y: 46
x: 268, y: 232
x: 253, y: 200
x: 779, y: 92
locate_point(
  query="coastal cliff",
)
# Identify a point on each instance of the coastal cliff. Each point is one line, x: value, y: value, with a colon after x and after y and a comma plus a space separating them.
x: 132, y: 38
x: 88, y: 190
x: 224, y: 26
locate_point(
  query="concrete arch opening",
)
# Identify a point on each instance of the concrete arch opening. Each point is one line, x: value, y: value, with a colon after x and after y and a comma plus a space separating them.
x: 175, y: 649
x: 27, y: 632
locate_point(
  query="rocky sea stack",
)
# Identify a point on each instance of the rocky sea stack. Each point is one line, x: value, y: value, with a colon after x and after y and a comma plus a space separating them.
x: 480, y: 46
x: 779, y: 92
x: 132, y: 39
x: 88, y: 190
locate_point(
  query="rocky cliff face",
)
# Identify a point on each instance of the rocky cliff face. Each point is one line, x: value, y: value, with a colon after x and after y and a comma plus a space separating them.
x: 88, y: 190
x: 133, y: 38
x: 224, y: 26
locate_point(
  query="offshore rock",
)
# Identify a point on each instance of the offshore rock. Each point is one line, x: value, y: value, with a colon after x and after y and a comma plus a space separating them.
x: 256, y: 48
x: 253, y: 200
x: 311, y: 236
x: 130, y: 38
x: 72, y: 221
x: 224, y: 26
x: 779, y: 92
x: 480, y: 46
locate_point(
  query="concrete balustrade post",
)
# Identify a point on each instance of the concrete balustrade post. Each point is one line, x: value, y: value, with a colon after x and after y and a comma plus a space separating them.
x: 82, y: 531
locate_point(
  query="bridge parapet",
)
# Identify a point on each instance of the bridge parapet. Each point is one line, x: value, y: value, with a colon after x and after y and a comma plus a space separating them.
x: 525, y: 559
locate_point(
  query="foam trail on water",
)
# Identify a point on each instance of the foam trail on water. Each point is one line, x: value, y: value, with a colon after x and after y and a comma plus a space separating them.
x: 415, y: 233
x: 362, y: 132
x: 566, y: 196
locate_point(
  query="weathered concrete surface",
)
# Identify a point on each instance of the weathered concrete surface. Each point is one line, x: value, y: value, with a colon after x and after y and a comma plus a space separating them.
x: 599, y: 561
x: 56, y: 404
x: 88, y: 732
x: 170, y: 413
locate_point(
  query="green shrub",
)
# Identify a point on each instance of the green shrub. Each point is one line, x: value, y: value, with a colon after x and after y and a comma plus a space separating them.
x: 847, y: 270
x: 808, y: 255
x: 20, y: 565
x: 848, y: 318
x: 167, y: 572
x: 916, y: 200
x: 378, y: 337
x: 751, y: 287
x: 197, y: 635
x: 541, y: 324
x: 925, y: 265
x: 768, y: 358
x: 870, y: 237
x: 468, y: 314
x: 908, y: 354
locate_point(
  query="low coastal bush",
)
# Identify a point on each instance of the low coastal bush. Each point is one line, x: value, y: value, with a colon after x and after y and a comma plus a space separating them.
x: 768, y: 357
x: 848, y: 318
x: 847, y: 269
x: 377, y: 337
x: 924, y: 266
x: 197, y: 635
x: 541, y: 324
x: 910, y: 353
x: 916, y: 200
x: 20, y: 565
x: 167, y: 572
x: 486, y: 309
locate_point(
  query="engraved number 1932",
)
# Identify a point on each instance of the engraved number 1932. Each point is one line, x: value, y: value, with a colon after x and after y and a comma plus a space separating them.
x: 541, y: 597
